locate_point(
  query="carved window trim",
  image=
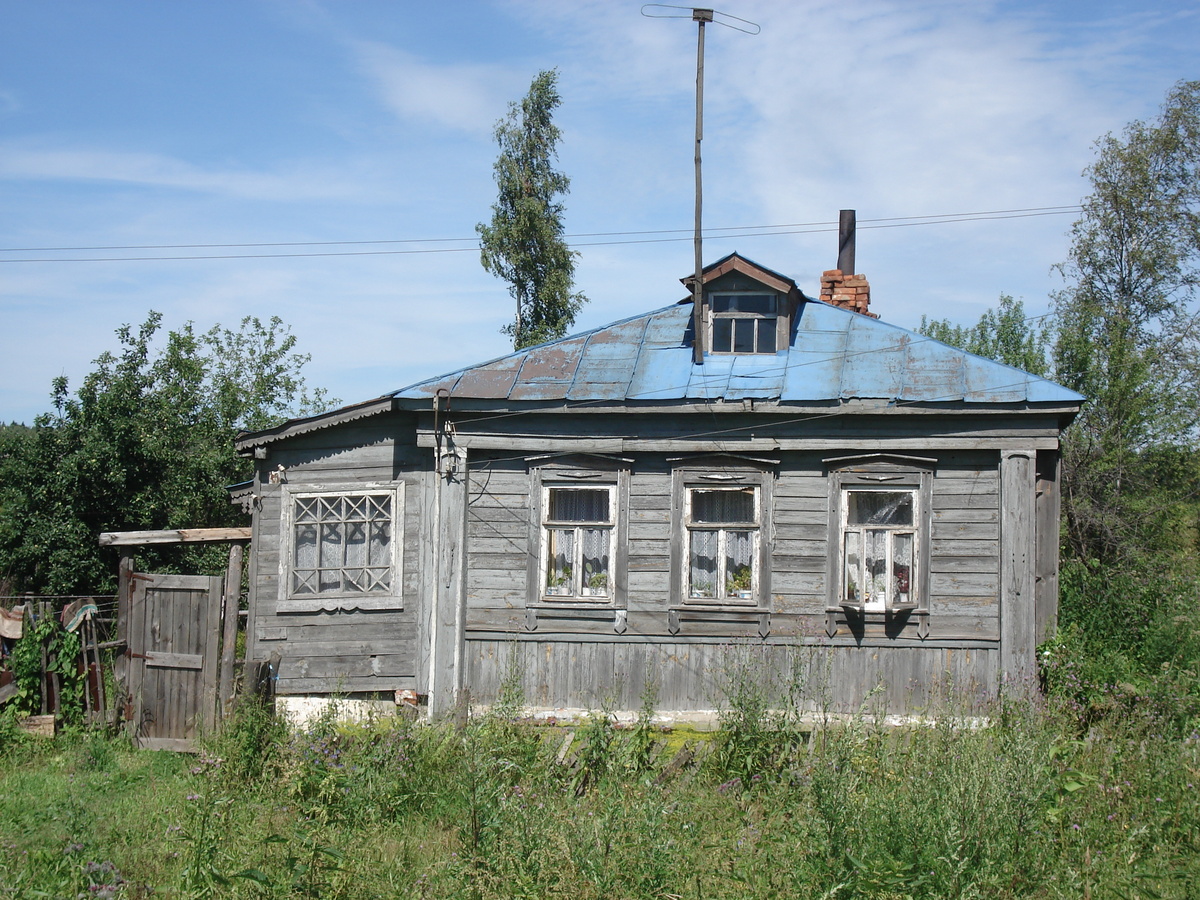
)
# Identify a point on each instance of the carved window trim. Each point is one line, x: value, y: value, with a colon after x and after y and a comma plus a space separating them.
x: 578, y: 472
x: 885, y: 473
x: 715, y: 473
x: 330, y: 506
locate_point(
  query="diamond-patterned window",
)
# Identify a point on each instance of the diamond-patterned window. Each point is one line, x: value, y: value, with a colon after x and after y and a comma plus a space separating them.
x: 342, y: 544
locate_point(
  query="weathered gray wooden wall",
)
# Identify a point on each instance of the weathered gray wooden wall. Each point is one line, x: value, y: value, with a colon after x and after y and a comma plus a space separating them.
x: 578, y: 655
x: 567, y: 672
x: 471, y: 609
x: 344, y: 650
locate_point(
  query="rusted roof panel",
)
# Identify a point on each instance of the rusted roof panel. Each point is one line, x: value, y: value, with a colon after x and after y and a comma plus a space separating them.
x: 492, y: 381
x: 553, y: 362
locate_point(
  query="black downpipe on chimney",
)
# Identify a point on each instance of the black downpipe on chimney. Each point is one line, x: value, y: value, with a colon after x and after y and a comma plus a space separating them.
x: 846, y: 223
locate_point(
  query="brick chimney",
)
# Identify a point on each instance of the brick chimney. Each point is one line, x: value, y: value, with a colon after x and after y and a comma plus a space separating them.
x: 850, y: 292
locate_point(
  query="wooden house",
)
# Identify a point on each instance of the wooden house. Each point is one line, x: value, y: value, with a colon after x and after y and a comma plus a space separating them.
x: 825, y: 489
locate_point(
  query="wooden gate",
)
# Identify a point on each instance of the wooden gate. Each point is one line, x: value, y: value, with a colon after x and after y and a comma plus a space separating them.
x: 173, y: 639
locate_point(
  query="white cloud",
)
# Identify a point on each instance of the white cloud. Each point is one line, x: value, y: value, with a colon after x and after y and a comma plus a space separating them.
x: 33, y: 160
x: 463, y: 97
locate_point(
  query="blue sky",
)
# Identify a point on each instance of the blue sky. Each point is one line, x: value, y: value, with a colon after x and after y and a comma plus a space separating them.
x: 127, y: 124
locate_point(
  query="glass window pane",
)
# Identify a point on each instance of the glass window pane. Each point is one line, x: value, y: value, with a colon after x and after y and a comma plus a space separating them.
x: 342, y: 544
x: 743, y: 335
x: 595, y: 560
x: 739, y: 564
x: 578, y: 505
x: 876, y: 567
x: 722, y: 335
x: 702, y: 564
x: 713, y: 507
x: 757, y: 304
x: 880, y: 508
x: 722, y: 303
x: 902, y: 551
x: 560, y: 558
x: 853, y: 572
x: 766, y: 335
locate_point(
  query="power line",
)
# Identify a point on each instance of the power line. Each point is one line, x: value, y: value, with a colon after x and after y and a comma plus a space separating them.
x: 640, y: 237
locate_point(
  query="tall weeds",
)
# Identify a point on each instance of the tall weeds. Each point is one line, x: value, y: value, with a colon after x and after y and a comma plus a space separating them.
x: 1013, y: 802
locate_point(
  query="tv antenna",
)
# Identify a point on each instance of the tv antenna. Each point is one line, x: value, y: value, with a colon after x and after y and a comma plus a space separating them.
x: 701, y: 17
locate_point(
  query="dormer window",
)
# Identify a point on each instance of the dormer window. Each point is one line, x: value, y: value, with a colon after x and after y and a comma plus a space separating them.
x: 744, y: 322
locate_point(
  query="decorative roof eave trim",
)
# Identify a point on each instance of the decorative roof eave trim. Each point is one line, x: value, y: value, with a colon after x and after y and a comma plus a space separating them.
x: 246, y: 442
x: 845, y: 462
x: 734, y: 262
x: 720, y: 454
x: 543, y: 458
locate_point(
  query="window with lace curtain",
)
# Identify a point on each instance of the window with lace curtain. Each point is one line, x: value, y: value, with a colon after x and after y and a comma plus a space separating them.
x: 878, y: 548
x: 722, y: 534
x: 341, y: 549
x: 577, y: 542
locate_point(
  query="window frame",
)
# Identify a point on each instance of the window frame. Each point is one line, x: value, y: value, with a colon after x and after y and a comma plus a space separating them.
x: 881, y: 473
x: 780, y: 314
x: 727, y: 474
x: 891, y: 534
x: 578, y: 591
x: 582, y: 473
x: 290, y: 601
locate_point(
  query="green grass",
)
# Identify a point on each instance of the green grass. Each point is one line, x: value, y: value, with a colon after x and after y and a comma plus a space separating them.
x: 1024, y: 807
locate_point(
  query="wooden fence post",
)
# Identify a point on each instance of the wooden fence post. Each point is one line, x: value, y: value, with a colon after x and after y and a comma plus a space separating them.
x: 233, y: 590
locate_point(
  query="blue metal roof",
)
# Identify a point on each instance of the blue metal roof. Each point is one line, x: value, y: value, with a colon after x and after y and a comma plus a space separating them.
x: 834, y: 354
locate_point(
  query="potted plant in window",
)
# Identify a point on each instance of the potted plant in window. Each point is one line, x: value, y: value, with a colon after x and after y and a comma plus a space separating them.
x: 558, y: 582
x: 703, y: 590
x: 597, y: 585
x: 740, y: 584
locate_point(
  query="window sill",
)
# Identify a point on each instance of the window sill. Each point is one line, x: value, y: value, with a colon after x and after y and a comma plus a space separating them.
x: 859, y: 609
x: 581, y: 613
x: 855, y: 612
x: 336, y: 604
x: 572, y: 603
x: 725, y: 613
x: 726, y: 605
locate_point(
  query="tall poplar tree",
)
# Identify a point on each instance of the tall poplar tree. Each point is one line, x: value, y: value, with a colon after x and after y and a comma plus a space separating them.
x: 524, y: 243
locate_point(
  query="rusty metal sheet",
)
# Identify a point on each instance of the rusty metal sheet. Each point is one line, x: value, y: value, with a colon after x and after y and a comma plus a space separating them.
x: 431, y: 387
x: 556, y: 361
x: 491, y: 381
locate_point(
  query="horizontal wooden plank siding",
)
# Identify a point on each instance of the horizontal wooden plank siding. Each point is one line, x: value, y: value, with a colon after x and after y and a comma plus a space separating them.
x: 498, y: 527
x: 699, y: 676
x: 345, y: 650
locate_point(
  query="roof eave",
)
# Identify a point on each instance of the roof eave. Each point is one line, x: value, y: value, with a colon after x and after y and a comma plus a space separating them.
x: 247, y: 442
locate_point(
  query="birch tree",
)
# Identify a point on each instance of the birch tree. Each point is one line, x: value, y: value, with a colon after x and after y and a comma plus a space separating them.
x: 524, y: 244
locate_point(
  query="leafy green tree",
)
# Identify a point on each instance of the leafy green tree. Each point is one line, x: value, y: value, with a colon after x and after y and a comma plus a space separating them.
x: 1129, y: 340
x: 524, y: 243
x: 145, y: 443
x: 1004, y: 334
